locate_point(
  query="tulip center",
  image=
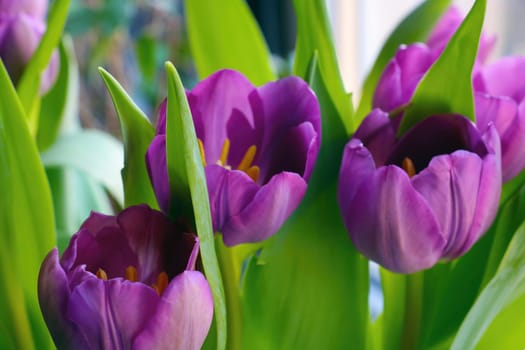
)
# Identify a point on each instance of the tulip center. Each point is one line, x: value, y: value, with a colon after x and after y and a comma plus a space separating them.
x: 246, y: 164
x: 408, y: 165
x: 131, y: 274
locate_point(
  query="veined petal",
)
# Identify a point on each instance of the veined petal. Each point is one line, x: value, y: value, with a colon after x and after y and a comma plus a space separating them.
x: 53, y: 296
x: 183, y: 316
x: 390, y: 223
x: 212, y: 102
x: 267, y: 211
x: 287, y: 104
x: 110, y: 314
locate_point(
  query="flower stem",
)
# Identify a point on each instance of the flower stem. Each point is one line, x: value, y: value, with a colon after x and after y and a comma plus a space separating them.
x: 413, y: 307
x: 231, y: 279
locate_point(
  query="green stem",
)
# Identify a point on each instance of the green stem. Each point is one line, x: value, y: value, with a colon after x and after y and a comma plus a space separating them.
x: 231, y: 280
x: 413, y: 307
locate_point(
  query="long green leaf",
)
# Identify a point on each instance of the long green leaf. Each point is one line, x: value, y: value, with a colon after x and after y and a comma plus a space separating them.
x: 506, y: 289
x: 224, y: 34
x: 313, y: 34
x: 30, y: 81
x: 186, y: 177
x: 447, y: 86
x: 26, y: 219
x: 61, y: 102
x: 137, y: 134
x: 415, y: 27
x: 94, y: 152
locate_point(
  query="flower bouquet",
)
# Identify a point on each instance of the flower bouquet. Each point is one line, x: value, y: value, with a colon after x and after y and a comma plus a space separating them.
x: 253, y: 211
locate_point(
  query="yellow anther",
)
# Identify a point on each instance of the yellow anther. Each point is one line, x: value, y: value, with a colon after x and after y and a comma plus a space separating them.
x: 102, y: 274
x: 224, y: 152
x: 408, y: 166
x: 131, y: 274
x: 253, y: 172
x: 201, y: 150
x: 247, y: 160
x: 162, y: 283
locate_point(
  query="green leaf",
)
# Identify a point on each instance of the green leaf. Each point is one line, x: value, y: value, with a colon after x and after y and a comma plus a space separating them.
x: 394, y: 296
x: 224, y: 34
x: 61, y: 102
x: 94, y: 152
x: 186, y: 177
x: 447, y: 86
x: 415, y: 27
x: 26, y: 219
x: 498, y: 300
x: 308, y: 288
x: 137, y: 134
x: 30, y: 81
x: 313, y: 34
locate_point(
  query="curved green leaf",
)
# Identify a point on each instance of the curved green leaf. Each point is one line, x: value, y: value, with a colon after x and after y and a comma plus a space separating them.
x: 415, y: 27
x: 506, y: 288
x: 27, y: 230
x: 313, y: 34
x: 30, y: 81
x: 447, y: 86
x: 93, y: 152
x: 224, y: 34
x: 137, y: 134
x: 61, y: 102
x: 188, y: 186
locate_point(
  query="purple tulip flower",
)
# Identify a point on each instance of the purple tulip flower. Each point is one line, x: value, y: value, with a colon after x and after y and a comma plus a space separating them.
x: 499, y: 88
x: 258, y: 145
x: 428, y: 196
x: 126, y: 282
x: 500, y: 100
x: 22, y: 24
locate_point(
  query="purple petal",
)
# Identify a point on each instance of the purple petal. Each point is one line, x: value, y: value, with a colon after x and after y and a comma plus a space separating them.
x: 378, y: 134
x: 401, y: 76
x: 212, y: 103
x: 53, y: 295
x: 34, y: 8
x: 267, y: 211
x: 287, y: 104
x: 111, y: 313
x: 509, y: 120
x: 506, y: 77
x: 390, y: 222
x: 183, y: 317
x: 158, y: 171
x: 450, y: 185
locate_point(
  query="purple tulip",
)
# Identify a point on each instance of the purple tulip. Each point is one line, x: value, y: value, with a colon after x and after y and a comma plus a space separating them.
x: 258, y: 146
x: 22, y: 24
x: 126, y: 282
x: 499, y: 89
x: 428, y: 196
x: 500, y: 100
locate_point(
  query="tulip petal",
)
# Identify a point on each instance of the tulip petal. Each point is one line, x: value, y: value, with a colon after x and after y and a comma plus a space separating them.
x: 183, y: 315
x: 212, y: 103
x: 388, y: 221
x: 266, y: 212
x: 111, y: 313
x: 288, y: 103
x: 505, y: 77
x: 158, y: 171
x: 53, y: 295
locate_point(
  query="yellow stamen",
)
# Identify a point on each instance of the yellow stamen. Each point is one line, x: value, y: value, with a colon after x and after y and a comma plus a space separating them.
x: 408, y: 166
x: 102, y: 274
x: 201, y: 150
x: 247, y: 160
x: 224, y: 152
x: 253, y: 172
x: 162, y: 283
x: 131, y: 274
